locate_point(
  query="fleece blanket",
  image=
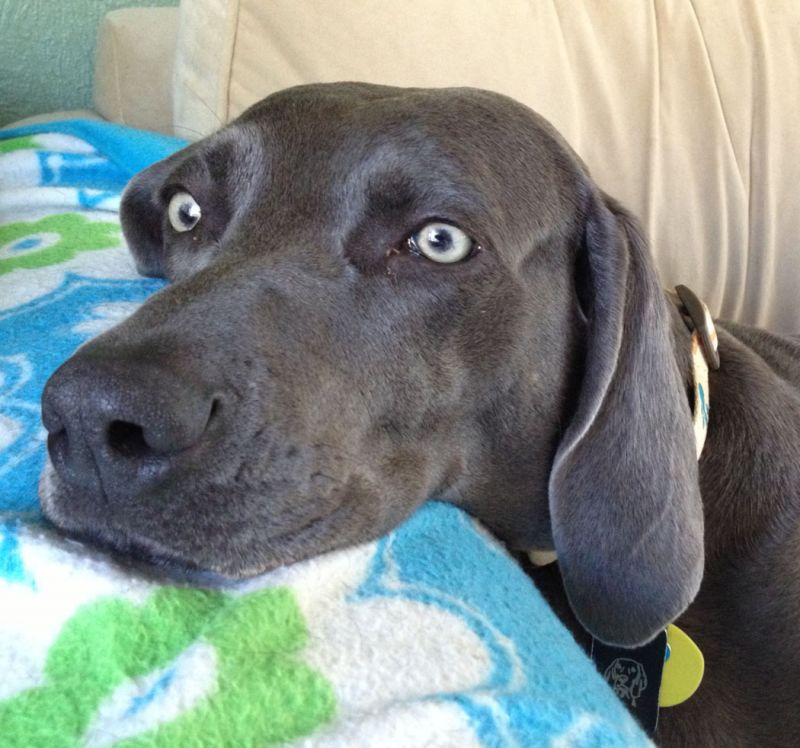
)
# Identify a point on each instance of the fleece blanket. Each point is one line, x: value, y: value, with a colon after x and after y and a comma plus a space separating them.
x: 431, y: 636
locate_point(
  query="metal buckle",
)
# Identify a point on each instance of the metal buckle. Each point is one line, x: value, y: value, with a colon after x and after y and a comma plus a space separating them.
x: 700, y: 317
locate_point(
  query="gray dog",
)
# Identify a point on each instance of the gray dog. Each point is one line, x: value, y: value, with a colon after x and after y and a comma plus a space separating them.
x: 383, y: 295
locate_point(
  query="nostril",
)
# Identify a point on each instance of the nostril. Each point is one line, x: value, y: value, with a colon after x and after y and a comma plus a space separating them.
x: 127, y: 439
x: 216, y: 406
x: 132, y: 440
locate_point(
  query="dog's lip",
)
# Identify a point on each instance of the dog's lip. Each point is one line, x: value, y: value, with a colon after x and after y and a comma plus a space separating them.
x: 151, y: 558
x: 292, y: 538
x: 141, y: 555
x: 308, y: 526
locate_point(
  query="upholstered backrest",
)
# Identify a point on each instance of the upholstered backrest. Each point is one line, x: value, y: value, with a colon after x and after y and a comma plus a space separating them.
x: 134, y: 67
x: 686, y: 110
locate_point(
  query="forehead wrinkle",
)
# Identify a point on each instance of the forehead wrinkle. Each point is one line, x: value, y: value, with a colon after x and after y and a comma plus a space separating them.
x: 186, y: 175
x: 229, y: 159
x: 250, y: 168
x: 402, y: 174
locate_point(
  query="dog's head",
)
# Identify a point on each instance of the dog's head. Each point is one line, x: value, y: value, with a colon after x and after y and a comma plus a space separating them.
x: 628, y: 678
x: 384, y: 295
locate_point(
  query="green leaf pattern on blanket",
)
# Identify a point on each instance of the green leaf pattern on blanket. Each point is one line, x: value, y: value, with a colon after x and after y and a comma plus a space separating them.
x: 23, y: 143
x: 24, y: 244
x: 263, y: 694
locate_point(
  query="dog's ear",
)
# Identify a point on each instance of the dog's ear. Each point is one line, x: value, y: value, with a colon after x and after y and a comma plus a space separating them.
x: 624, y: 497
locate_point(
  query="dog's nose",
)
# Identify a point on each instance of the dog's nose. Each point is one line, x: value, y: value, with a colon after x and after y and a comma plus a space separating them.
x: 120, y: 425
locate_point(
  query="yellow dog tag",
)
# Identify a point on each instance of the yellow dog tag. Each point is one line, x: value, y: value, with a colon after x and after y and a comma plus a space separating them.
x: 683, y: 668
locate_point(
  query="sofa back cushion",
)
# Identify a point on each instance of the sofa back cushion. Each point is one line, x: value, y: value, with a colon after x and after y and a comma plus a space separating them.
x: 686, y: 110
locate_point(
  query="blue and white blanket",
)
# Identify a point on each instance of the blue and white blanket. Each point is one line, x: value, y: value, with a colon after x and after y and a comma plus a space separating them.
x: 431, y: 636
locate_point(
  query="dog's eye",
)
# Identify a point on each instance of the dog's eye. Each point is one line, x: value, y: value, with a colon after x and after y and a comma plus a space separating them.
x: 441, y: 242
x: 184, y: 212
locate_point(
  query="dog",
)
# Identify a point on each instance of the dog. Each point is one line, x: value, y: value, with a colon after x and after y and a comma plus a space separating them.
x: 382, y: 295
x: 628, y: 678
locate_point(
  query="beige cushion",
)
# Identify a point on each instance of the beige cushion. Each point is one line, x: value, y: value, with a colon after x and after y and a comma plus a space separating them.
x: 134, y: 67
x: 686, y: 110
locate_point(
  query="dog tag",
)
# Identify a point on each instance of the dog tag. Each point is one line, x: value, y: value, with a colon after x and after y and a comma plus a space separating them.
x: 634, y: 675
x: 683, y: 669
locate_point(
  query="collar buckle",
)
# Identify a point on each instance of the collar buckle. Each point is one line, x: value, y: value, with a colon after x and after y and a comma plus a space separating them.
x: 698, y: 319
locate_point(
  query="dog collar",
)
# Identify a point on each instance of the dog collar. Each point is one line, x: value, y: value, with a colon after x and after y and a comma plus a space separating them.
x: 705, y: 356
x: 662, y: 673
x: 667, y: 670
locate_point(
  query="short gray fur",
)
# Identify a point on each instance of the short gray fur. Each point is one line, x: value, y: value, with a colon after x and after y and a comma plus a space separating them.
x: 306, y: 383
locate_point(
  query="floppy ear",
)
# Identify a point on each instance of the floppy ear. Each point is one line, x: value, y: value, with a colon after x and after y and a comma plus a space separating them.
x: 624, y: 498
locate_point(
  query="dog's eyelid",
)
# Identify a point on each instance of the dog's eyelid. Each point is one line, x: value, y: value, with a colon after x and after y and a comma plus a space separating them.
x: 169, y: 190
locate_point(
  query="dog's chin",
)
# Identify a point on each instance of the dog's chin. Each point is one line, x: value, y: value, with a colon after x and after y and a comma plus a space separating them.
x: 151, y: 558
x: 138, y: 556
x: 141, y: 559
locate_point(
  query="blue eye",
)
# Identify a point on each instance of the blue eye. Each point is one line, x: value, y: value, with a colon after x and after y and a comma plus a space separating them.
x: 441, y: 242
x: 183, y: 211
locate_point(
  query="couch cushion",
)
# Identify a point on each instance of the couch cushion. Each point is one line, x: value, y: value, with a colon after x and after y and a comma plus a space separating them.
x: 684, y: 113
x: 134, y: 67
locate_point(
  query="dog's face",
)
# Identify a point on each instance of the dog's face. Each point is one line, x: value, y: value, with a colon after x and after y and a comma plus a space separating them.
x: 381, y: 296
